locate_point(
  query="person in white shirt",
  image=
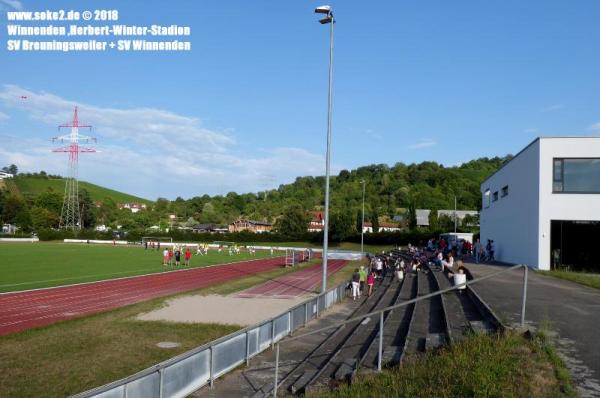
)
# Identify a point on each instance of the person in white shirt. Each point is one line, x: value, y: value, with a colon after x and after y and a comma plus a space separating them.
x: 448, y: 263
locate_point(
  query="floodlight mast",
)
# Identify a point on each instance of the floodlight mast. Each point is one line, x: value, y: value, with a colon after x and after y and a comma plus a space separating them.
x: 326, y: 9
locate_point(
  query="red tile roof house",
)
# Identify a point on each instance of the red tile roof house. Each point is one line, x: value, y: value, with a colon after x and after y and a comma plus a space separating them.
x: 317, y: 221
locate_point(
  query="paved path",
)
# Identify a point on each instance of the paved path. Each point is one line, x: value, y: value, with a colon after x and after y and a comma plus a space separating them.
x: 570, y: 309
x: 24, y: 310
x: 295, y: 284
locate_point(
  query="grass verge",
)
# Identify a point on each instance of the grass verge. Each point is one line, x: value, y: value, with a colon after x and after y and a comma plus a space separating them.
x: 507, y: 365
x: 72, y: 356
x: 584, y: 278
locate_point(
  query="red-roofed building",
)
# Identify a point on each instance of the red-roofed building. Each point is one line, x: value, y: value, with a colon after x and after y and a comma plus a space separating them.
x: 317, y: 221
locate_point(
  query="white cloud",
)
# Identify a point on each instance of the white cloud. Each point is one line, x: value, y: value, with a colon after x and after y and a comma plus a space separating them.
x: 424, y: 143
x: 11, y: 4
x: 150, y: 152
x: 553, y: 108
x: 595, y: 127
x: 3, y: 116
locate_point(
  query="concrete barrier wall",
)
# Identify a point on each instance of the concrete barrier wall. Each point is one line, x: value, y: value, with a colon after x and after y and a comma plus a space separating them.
x: 31, y: 240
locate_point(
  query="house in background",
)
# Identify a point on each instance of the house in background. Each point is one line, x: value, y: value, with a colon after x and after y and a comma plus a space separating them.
x: 460, y: 214
x: 204, y: 228
x: 9, y: 229
x: 422, y: 217
x: 133, y: 207
x: 317, y: 221
x: 251, y: 226
x: 383, y: 227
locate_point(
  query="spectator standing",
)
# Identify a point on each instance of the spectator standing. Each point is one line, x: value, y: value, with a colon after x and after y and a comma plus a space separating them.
x: 379, y: 267
x: 363, y: 279
x: 442, y: 244
x: 477, y: 248
x: 370, y: 283
x: 355, y: 284
x: 400, y: 271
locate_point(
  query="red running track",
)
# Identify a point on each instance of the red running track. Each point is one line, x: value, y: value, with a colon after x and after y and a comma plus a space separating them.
x: 295, y: 284
x: 24, y: 310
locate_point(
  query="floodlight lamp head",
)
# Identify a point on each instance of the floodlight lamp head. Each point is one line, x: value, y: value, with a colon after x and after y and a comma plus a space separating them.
x: 325, y: 20
x: 323, y: 9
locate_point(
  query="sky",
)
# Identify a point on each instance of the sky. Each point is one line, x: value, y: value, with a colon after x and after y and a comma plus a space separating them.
x: 246, y: 109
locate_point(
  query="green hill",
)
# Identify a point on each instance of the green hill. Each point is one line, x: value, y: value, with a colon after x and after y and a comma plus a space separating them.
x: 32, y: 185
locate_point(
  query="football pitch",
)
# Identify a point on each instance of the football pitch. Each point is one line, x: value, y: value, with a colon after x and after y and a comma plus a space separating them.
x: 30, y: 266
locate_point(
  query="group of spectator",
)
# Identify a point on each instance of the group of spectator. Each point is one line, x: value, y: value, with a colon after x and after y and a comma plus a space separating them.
x: 460, y: 247
x: 484, y: 253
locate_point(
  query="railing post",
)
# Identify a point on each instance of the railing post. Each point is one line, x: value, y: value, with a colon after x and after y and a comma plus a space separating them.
x: 161, y: 374
x: 247, y: 348
x: 276, y: 371
x: 525, y: 268
x: 380, y: 341
x: 318, y: 297
x: 306, y: 313
x: 212, y: 379
x: 272, y: 332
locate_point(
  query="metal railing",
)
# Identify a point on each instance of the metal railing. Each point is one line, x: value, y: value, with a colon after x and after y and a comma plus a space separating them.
x: 390, y: 308
x: 183, y: 374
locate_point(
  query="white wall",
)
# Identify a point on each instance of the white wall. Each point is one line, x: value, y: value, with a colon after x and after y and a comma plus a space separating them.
x: 563, y: 206
x: 512, y: 221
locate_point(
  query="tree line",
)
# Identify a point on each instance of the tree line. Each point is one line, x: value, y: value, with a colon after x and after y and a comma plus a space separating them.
x: 389, y: 191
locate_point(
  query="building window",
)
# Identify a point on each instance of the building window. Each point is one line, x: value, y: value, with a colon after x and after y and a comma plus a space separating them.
x: 576, y: 175
x: 486, y: 198
x: 495, y: 198
x: 504, y: 191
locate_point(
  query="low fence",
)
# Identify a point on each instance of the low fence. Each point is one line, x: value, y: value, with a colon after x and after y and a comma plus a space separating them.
x: 181, y: 375
x: 97, y: 241
x: 349, y: 255
x: 31, y: 240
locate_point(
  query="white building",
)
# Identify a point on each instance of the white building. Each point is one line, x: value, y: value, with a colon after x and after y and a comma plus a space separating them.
x: 133, y: 207
x: 422, y: 216
x: 4, y: 175
x: 542, y: 208
x: 383, y: 227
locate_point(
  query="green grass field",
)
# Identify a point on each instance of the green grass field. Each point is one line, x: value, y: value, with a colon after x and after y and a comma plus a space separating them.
x: 31, y: 186
x: 30, y: 266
